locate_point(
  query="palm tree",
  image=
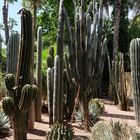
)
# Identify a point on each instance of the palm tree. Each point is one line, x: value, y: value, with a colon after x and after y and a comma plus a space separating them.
x: 5, y: 18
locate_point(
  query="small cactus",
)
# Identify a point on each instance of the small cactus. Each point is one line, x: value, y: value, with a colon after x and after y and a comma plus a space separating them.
x: 8, y: 106
x: 61, y: 131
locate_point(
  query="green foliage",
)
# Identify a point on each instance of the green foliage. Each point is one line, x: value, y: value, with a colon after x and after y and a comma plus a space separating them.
x: 104, y: 130
x: 4, y: 126
x: 61, y: 131
x: 47, y: 18
x: 134, y: 29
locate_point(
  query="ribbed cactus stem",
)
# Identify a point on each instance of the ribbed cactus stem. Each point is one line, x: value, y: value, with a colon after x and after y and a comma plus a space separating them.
x: 135, y: 71
x: 12, y: 52
x: 21, y: 100
x: 50, y: 95
x: 60, y: 45
x: 39, y: 74
x: 56, y: 92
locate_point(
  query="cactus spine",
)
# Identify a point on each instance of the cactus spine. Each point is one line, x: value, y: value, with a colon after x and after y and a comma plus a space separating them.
x: 12, y: 52
x: 135, y: 70
x: 23, y: 94
x: 39, y: 74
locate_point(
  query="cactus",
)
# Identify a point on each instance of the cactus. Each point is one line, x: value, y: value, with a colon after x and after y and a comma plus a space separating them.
x: 39, y: 74
x: 135, y: 70
x: 57, y: 75
x: 8, y: 106
x: 50, y: 58
x: 61, y: 131
x: 23, y: 94
x: 28, y: 94
x: 60, y: 46
x: 12, y: 52
x: 56, y: 90
x: 50, y: 95
x: 104, y: 130
x: 86, y: 53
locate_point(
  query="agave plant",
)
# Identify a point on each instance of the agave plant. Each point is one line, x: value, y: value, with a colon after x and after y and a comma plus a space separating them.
x: 96, y: 107
x: 104, y: 130
x: 4, y: 126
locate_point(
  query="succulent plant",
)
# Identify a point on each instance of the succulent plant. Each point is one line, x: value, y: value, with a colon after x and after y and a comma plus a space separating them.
x: 4, y: 126
x: 86, y: 48
x: 61, y: 131
x: 104, y: 130
x: 12, y: 52
x: 39, y: 75
x: 19, y: 86
x: 135, y: 70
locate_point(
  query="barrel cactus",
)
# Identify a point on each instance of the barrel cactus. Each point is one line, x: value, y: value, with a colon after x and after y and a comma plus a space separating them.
x: 135, y: 70
x: 61, y: 131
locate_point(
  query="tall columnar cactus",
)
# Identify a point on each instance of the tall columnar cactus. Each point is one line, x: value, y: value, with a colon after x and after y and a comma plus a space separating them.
x: 39, y: 74
x: 135, y: 71
x: 12, y: 52
x: 53, y: 91
x: 86, y: 52
x: 24, y: 93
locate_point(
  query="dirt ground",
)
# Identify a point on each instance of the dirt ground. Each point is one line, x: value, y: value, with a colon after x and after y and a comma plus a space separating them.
x: 111, y: 113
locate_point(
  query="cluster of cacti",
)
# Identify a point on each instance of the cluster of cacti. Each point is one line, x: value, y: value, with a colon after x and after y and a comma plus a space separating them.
x: 61, y: 131
x: 38, y: 110
x: 17, y: 105
x: 118, y: 82
x: 12, y: 52
x: 55, y: 75
x: 135, y: 72
x: 53, y: 88
x: 104, y: 130
x: 86, y: 51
